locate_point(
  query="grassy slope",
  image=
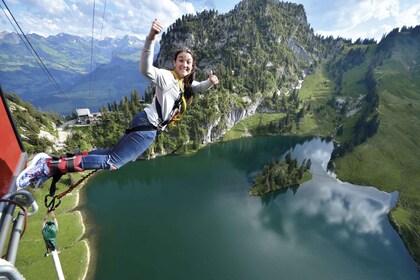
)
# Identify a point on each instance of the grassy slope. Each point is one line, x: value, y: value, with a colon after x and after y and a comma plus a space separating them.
x: 390, y: 159
x: 73, y: 253
x: 317, y: 90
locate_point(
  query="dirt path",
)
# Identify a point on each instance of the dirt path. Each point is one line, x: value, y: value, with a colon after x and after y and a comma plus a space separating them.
x: 62, y: 135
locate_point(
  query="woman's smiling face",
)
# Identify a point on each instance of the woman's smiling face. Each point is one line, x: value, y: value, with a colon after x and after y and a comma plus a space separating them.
x: 183, y: 64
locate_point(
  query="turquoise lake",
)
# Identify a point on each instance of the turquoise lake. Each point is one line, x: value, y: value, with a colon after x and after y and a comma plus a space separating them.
x: 190, y: 217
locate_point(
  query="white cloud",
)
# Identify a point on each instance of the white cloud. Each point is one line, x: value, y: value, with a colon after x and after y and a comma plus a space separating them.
x: 376, y: 9
x: 409, y: 16
x: 47, y: 7
x: 353, y: 13
x: 122, y: 17
x: 345, y: 18
x: 188, y: 7
x: 361, y: 18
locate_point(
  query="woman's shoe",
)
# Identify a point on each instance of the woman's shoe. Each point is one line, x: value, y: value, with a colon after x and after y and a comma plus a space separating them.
x: 36, y: 173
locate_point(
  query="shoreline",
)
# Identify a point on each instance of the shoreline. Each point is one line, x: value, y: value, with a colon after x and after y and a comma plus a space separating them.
x: 83, y: 240
x: 88, y: 269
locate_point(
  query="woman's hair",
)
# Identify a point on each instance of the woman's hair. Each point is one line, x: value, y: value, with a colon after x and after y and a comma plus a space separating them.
x: 188, y: 92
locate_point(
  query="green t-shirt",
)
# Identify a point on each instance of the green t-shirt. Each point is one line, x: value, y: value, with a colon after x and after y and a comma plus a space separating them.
x: 49, y: 233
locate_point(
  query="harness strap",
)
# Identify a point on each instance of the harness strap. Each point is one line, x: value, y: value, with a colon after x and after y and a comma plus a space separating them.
x: 56, y: 199
x: 55, y: 161
x: 70, y: 165
x: 179, y: 103
x: 62, y: 165
x: 140, y: 128
x: 53, y: 186
x: 182, y: 109
x: 176, y: 106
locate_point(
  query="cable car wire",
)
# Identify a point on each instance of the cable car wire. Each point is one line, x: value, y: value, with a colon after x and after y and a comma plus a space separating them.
x: 91, y: 50
x: 95, y: 60
x: 34, y: 53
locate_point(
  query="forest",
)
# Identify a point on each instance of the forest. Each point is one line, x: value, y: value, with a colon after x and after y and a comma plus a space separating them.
x: 280, y: 175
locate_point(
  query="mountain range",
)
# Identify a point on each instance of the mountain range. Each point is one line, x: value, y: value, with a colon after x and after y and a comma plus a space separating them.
x: 90, y: 73
x: 84, y: 72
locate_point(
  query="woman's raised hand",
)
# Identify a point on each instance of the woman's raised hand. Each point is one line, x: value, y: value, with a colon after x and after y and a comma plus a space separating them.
x: 213, y: 78
x: 155, y: 30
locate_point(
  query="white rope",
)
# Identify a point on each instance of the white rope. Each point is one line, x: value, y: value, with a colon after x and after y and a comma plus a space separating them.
x: 57, y: 265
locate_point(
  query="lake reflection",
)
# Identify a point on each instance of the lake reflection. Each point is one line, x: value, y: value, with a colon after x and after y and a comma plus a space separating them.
x: 196, y: 221
x: 358, y: 209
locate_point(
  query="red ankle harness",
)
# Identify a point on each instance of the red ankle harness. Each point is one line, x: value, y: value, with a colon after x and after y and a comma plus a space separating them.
x: 63, y: 165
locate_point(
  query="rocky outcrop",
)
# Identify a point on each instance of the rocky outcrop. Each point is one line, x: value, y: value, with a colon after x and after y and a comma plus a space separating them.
x: 232, y: 118
x: 299, y: 51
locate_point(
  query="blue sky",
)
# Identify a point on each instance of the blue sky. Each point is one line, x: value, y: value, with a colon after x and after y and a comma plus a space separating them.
x: 346, y: 18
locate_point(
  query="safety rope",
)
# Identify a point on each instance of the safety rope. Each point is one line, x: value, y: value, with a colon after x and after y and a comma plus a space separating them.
x: 56, y: 199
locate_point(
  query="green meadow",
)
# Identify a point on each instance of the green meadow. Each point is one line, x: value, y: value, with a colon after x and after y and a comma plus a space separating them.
x: 71, y: 242
x: 389, y: 160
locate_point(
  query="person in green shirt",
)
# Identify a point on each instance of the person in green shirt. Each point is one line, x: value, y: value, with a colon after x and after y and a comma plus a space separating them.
x: 49, y: 232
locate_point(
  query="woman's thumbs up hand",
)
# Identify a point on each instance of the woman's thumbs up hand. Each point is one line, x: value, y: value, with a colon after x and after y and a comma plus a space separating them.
x: 213, y: 78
